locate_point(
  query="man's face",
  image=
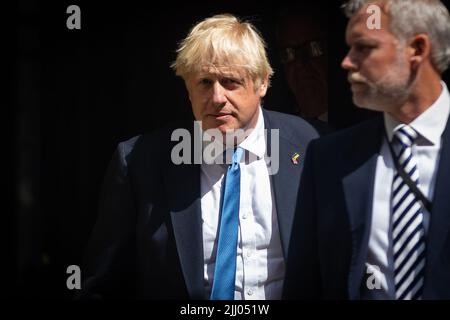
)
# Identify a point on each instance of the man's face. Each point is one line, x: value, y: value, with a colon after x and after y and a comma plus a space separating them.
x: 306, y: 75
x: 224, y: 98
x: 377, y: 65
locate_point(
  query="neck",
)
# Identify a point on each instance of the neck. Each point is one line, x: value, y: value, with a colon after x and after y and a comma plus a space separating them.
x: 423, y: 94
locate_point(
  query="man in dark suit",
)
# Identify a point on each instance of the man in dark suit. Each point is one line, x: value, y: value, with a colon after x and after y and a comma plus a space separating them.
x: 164, y: 215
x: 302, y: 41
x: 373, y: 219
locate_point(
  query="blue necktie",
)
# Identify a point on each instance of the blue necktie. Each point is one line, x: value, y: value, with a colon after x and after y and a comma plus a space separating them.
x: 408, y: 232
x: 225, y: 270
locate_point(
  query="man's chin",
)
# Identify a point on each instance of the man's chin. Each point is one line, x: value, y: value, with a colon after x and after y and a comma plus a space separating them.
x: 217, y: 128
x: 369, y: 104
x: 230, y: 135
x: 224, y: 129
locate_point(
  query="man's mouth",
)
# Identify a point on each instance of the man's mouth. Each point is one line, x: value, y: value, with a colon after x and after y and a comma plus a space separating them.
x: 356, y: 78
x: 221, y: 115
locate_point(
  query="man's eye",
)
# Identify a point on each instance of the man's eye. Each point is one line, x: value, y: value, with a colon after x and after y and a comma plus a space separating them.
x: 205, y: 82
x: 230, y: 82
x: 363, y: 47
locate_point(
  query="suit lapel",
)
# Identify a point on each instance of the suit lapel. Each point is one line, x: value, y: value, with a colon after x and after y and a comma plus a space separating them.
x: 358, y: 184
x: 286, y: 181
x: 440, y: 219
x: 183, y: 190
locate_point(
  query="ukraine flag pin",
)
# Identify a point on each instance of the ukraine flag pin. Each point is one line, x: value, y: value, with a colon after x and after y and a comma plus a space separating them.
x: 295, y: 158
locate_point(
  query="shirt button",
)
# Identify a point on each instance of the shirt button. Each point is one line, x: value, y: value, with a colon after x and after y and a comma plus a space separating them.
x: 249, y: 254
x: 250, y: 292
x: 244, y: 216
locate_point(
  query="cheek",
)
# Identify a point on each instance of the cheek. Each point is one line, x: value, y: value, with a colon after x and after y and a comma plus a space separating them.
x: 289, y: 71
x: 299, y: 77
x: 196, y: 107
x: 198, y: 100
x: 370, y: 71
x: 378, y: 64
x: 245, y: 102
x: 250, y: 106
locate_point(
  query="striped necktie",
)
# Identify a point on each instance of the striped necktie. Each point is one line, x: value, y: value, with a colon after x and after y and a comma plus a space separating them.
x: 408, y: 232
x: 225, y: 269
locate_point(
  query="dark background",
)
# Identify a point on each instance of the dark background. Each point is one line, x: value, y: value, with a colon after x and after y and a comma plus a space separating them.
x: 77, y: 93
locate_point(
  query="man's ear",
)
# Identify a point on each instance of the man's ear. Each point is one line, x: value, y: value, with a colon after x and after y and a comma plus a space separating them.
x: 187, y: 88
x: 419, y: 49
x: 263, y: 87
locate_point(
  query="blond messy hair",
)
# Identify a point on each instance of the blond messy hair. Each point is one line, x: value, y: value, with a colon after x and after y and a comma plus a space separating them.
x: 223, y: 41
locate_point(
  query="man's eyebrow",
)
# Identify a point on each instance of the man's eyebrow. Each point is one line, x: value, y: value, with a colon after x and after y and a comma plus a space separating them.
x: 218, y: 75
x: 359, y: 37
x: 368, y: 41
x: 231, y: 75
x: 202, y: 75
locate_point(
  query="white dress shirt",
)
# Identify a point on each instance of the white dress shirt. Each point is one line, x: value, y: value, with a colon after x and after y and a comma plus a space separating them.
x: 260, y: 263
x: 429, y: 125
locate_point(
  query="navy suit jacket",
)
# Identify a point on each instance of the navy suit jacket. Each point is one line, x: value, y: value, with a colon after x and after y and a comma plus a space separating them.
x: 331, y: 229
x: 147, y: 242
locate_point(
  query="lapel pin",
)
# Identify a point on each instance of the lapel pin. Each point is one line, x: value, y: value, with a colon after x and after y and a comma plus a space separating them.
x: 295, y: 158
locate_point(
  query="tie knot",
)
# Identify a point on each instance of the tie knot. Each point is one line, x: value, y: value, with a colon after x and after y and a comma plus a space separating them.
x: 237, y: 155
x: 406, y: 135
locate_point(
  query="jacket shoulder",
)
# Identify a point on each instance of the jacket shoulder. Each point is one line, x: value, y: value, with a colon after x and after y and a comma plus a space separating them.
x: 290, y: 126
x: 353, y: 136
x: 148, y: 147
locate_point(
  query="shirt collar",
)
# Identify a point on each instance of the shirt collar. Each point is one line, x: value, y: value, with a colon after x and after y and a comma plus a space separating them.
x: 430, y: 124
x: 255, y: 142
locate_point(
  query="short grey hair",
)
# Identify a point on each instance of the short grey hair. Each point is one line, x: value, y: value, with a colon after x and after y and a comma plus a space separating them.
x: 411, y: 17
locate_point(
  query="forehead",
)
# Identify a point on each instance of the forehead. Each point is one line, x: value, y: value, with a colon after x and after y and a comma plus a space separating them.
x: 358, y: 27
x: 221, y: 71
x: 298, y: 28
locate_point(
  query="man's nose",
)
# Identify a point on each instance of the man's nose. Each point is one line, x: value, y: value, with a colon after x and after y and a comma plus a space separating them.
x: 349, y: 62
x: 219, y: 97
